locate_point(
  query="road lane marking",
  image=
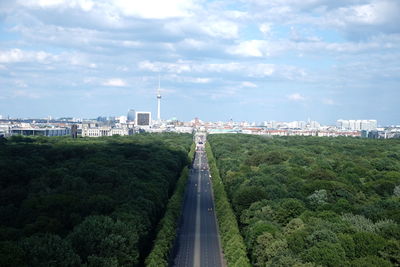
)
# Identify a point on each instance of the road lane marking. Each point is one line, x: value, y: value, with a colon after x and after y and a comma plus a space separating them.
x: 197, y: 233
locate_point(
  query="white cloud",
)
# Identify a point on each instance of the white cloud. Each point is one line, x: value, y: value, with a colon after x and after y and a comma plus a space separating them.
x: 196, y: 44
x: 237, y: 69
x: 85, y: 5
x: 357, y: 19
x: 209, y: 25
x: 265, y: 70
x: 128, y: 43
x: 188, y: 79
x: 17, y: 55
x: 149, y: 9
x: 114, y: 10
x: 220, y: 28
x: 25, y: 94
x: 328, y: 101
x: 204, y: 44
x: 250, y: 48
x: 265, y: 28
x: 20, y: 83
x: 296, y: 97
x: 376, y: 12
x: 249, y: 84
x: 156, y: 9
x: 201, y: 80
x: 236, y: 14
x: 115, y: 82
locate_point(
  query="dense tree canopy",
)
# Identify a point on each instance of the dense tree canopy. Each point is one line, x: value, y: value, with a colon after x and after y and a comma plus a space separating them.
x: 312, y: 201
x: 93, y: 202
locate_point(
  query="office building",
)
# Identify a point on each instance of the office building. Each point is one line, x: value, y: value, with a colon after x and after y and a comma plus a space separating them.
x: 143, y: 119
x: 131, y: 115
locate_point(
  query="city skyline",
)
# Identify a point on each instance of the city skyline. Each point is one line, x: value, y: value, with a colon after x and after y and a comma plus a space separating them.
x: 217, y: 60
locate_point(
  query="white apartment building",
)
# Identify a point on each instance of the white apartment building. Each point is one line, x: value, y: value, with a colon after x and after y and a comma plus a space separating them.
x: 103, y: 131
x: 357, y: 125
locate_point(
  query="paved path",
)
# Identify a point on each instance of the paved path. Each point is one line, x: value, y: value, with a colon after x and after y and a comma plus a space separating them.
x: 198, y: 241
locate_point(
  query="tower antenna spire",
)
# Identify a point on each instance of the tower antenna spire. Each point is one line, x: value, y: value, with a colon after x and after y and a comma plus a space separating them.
x: 158, y: 91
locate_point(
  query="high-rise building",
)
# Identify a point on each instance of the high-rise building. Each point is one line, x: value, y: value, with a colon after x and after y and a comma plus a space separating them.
x: 143, y: 118
x: 131, y: 115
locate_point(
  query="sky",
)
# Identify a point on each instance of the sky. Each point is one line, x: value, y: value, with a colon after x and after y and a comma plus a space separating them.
x: 252, y: 60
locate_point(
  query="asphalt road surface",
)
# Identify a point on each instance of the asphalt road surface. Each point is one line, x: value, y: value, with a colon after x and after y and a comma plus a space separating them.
x: 198, y: 241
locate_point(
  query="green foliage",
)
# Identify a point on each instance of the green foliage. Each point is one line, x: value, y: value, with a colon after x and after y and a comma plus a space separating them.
x: 368, y: 244
x: 360, y: 223
x: 232, y: 242
x: 105, y: 238
x: 88, y: 201
x: 325, y: 254
x: 391, y: 252
x: 245, y: 196
x: 256, y: 230
x: 331, y: 201
x: 49, y: 250
x: 268, y: 247
x: 370, y: 261
x: 321, y: 235
x: 11, y: 254
x: 347, y: 243
x: 297, y: 241
x: 288, y: 209
x: 293, y: 226
x: 318, y: 198
x: 160, y: 254
x: 96, y: 261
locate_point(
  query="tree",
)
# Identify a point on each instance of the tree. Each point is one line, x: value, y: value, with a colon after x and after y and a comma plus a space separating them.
x: 347, y: 243
x: 103, y: 237
x: 288, y: 209
x: 245, y: 196
x: 11, y: 254
x: 368, y: 244
x: 370, y: 261
x: 49, y: 250
x: 326, y: 254
x: 318, y: 198
x: 267, y: 248
x: 254, y: 230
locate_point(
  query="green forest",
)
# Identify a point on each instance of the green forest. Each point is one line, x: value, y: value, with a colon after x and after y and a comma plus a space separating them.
x: 312, y: 201
x: 85, y: 202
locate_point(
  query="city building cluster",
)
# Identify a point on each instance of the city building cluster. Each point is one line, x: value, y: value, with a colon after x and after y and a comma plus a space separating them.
x: 368, y: 129
x: 141, y: 121
x: 138, y: 122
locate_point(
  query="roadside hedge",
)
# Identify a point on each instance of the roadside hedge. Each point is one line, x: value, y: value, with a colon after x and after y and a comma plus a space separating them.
x: 161, y: 252
x: 232, y: 241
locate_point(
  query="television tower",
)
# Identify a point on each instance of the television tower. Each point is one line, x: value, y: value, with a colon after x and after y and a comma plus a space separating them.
x: 158, y: 101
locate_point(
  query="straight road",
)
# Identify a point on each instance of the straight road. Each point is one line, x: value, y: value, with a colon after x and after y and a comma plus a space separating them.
x: 198, y: 241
